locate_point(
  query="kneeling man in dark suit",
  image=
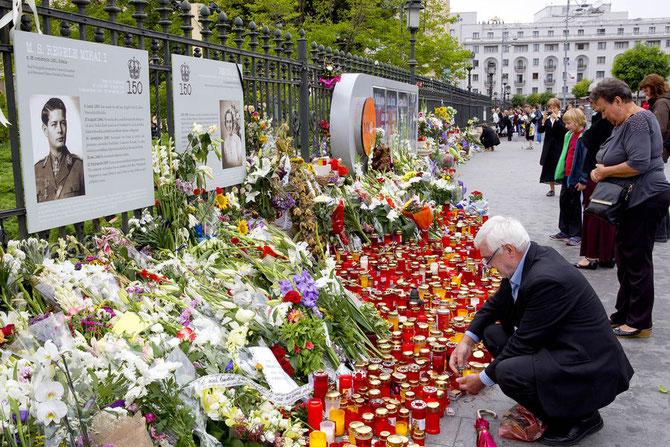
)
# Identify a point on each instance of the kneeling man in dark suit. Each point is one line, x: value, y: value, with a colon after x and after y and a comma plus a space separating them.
x: 554, y: 349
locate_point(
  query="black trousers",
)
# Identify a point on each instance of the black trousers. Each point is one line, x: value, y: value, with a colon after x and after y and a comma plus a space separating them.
x: 634, y: 245
x: 570, y: 215
x: 515, y: 376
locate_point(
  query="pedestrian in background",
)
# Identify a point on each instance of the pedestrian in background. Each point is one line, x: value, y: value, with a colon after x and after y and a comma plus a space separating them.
x: 529, y: 123
x: 568, y: 173
x: 597, y: 246
x: 658, y: 96
x: 634, y: 151
x: 510, y: 124
x: 489, y: 139
x: 554, y: 131
x: 538, y: 119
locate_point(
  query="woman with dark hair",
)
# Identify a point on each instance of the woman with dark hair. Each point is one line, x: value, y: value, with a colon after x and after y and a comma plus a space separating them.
x: 658, y: 97
x: 489, y: 139
x: 633, y: 151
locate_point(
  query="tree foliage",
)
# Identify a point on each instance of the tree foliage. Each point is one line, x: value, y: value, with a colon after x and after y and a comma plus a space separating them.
x: 581, y: 89
x: 633, y: 65
x: 518, y: 100
x: 375, y: 29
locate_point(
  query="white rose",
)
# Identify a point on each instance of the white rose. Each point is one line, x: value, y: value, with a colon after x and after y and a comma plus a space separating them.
x: 244, y: 315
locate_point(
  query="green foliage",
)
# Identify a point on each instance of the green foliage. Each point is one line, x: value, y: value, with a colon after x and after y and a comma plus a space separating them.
x: 581, y: 89
x: 518, y: 100
x: 533, y: 98
x: 360, y: 27
x: 633, y: 65
x: 546, y: 96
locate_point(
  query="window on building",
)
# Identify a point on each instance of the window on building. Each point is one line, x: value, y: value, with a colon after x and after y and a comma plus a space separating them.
x: 565, y: 89
x: 475, y: 63
x: 566, y: 32
x: 489, y: 35
x: 536, y: 61
x: 505, y: 48
x: 652, y: 30
x: 536, y: 47
x: 653, y: 43
x: 520, y: 48
x: 667, y: 43
x: 491, y: 49
x: 519, y: 34
x: 602, y: 45
x: 475, y: 35
x: 636, y: 30
x: 519, y: 78
x: 550, y: 33
x: 550, y: 47
x: 519, y: 91
x: 550, y: 90
x: 537, y: 33
x: 667, y: 29
x: 534, y: 89
x: 505, y: 77
x: 475, y: 49
x: 505, y: 62
x: 476, y: 90
x: 580, y: 76
x: 549, y: 64
x: 581, y: 62
x: 620, y: 45
x: 600, y: 74
x: 505, y: 35
x: 619, y: 31
x: 580, y: 32
x: 475, y: 77
x: 566, y: 46
x: 600, y: 60
x: 600, y: 31
x: 536, y: 76
x: 582, y: 46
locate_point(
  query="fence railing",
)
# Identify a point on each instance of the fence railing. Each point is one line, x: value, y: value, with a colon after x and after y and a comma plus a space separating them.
x: 280, y: 76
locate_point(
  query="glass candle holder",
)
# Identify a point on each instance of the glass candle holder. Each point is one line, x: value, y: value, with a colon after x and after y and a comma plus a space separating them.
x: 364, y: 436
x: 320, y: 385
x: 352, y: 431
x: 338, y: 417
x: 317, y: 439
x: 328, y: 427
x: 419, y: 414
x: 433, y: 418
x: 314, y: 413
x: 332, y: 401
x: 401, y: 428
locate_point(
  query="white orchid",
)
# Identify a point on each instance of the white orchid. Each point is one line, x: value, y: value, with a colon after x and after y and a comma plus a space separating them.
x: 46, y: 391
x: 51, y: 411
x: 48, y: 353
x: 197, y: 128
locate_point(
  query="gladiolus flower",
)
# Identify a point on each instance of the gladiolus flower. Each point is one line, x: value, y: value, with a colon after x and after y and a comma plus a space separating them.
x: 309, y: 345
x: 186, y: 333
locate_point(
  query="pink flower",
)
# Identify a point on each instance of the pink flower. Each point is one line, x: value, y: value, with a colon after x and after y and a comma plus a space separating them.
x: 154, y: 435
x: 150, y: 417
x: 294, y: 316
x: 309, y: 345
x: 296, y: 350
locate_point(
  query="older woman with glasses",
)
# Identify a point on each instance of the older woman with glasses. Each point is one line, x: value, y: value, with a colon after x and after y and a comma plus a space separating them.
x: 633, y: 151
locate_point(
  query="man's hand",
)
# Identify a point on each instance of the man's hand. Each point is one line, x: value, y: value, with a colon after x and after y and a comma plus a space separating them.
x: 461, y: 354
x: 581, y: 187
x: 471, y: 383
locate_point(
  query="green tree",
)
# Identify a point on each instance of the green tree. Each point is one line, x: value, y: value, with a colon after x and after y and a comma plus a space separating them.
x: 581, y: 89
x: 633, y: 65
x: 546, y: 96
x: 518, y: 100
x: 533, y: 99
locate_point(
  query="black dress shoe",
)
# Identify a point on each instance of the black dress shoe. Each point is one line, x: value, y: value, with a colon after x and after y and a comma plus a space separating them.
x: 592, y: 265
x: 606, y: 264
x: 571, y: 434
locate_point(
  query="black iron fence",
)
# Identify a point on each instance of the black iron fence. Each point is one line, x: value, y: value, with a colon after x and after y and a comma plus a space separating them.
x: 280, y: 76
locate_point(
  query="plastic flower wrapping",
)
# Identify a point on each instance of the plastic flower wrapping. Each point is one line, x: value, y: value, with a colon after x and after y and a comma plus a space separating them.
x: 206, y: 320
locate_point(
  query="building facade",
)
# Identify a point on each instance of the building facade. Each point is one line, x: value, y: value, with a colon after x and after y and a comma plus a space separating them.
x: 525, y: 58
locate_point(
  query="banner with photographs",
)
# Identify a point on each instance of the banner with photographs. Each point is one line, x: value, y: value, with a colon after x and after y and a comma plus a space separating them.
x: 209, y: 93
x: 84, y: 116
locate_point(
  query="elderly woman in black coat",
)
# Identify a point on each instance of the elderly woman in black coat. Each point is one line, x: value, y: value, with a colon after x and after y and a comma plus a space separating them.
x: 489, y: 138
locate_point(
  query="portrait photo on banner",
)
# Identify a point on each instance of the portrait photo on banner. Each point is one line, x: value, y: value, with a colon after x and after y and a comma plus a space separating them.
x: 232, y: 149
x: 58, y: 152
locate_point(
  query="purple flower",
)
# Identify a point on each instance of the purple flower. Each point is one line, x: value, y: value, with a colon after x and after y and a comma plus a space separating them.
x: 23, y: 415
x: 185, y: 318
x: 285, y: 286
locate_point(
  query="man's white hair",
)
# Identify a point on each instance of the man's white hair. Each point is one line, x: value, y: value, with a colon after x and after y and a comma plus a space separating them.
x: 501, y: 230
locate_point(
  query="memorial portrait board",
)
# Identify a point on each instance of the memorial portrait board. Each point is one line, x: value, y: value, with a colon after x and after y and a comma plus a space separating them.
x: 209, y: 93
x: 84, y: 115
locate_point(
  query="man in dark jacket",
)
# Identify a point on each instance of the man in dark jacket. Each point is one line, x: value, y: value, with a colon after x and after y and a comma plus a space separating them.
x: 489, y: 139
x: 554, y: 349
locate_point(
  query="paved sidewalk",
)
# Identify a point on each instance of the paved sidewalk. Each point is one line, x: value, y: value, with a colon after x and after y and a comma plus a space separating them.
x: 508, y: 177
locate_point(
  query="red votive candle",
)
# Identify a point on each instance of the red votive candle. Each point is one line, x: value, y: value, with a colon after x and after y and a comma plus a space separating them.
x: 314, y: 413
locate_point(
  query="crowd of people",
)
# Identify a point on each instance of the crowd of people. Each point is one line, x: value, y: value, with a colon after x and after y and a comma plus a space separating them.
x: 554, y: 345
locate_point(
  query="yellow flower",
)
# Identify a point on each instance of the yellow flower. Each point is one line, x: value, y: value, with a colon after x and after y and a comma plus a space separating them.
x: 262, y: 139
x: 408, y: 176
x: 221, y: 201
x: 311, y: 168
x: 259, y: 366
x: 263, y: 125
x: 297, y: 161
x: 242, y: 227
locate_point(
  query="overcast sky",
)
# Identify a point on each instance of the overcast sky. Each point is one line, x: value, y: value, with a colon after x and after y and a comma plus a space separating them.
x: 523, y: 11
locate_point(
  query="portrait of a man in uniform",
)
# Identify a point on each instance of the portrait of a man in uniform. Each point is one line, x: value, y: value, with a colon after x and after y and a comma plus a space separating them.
x: 59, y: 175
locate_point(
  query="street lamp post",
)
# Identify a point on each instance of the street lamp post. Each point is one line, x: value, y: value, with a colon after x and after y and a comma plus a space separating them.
x: 491, y: 69
x: 469, y: 78
x: 505, y: 86
x: 507, y: 92
x: 414, y: 8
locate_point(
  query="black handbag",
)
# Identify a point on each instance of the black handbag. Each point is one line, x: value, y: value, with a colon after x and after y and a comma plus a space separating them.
x: 609, y: 199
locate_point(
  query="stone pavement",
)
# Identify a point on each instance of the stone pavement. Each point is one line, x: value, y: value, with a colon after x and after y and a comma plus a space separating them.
x: 508, y: 177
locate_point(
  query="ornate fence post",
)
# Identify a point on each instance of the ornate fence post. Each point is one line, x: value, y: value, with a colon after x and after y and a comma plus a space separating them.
x: 165, y: 23
x: 303, y: 98
x: 81, y: 9
x: 205, y: 23
x: 223, y: 27
x: 186, y: 26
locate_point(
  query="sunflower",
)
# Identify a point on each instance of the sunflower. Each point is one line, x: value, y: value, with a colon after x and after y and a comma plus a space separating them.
x: 242, y: 227
x: 221, y: 201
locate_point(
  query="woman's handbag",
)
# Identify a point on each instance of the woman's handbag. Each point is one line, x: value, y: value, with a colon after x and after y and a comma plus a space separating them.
x: 609, y: 199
